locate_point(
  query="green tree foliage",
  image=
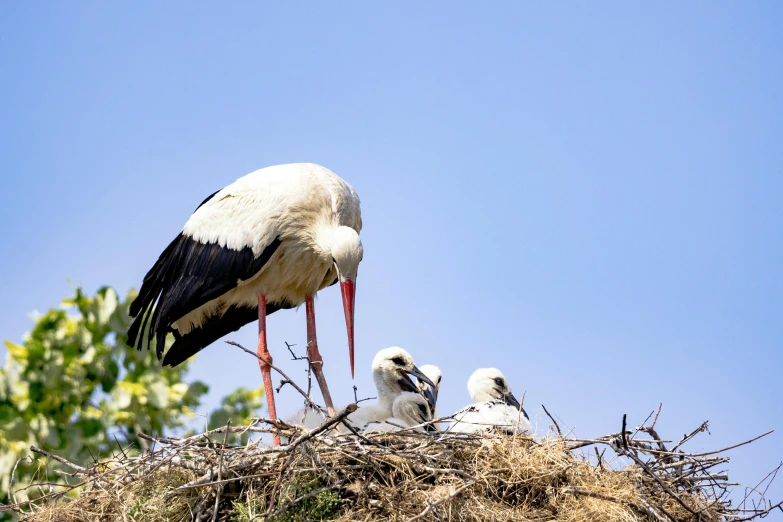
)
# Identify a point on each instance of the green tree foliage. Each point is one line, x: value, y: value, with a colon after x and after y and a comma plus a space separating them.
x: 73, y: 388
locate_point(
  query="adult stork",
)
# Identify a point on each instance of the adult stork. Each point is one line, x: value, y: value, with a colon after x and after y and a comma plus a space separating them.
x: 268, y: 241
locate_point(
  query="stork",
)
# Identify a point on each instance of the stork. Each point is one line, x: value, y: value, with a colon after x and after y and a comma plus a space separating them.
x: 494, y: 406
x: 391, y: 371
x: 269, y: 241
x: 431, y: 392
x: 409, y: 410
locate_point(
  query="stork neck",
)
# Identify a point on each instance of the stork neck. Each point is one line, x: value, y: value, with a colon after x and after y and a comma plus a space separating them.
x: 387, y: 391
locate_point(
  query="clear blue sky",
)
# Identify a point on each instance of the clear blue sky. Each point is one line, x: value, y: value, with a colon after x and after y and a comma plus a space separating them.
x: 587, y: 197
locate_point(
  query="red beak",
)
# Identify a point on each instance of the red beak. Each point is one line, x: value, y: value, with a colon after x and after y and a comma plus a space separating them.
x: 348, y: 289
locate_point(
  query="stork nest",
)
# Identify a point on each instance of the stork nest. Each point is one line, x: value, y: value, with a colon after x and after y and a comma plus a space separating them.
x: 400, y: 476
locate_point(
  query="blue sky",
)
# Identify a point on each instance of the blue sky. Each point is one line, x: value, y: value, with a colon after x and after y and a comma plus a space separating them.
x: 585, y: 196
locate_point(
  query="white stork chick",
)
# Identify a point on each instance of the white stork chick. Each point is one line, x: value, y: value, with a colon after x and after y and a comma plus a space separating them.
x: 391, y: 370
x: 409, y: 410
x: 495, y: 406
x: 269, y: 241
x: 431, y: 392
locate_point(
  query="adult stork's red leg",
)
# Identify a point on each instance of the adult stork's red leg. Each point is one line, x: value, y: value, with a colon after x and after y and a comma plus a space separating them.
x: 316, y: 362
x: 264, y: 361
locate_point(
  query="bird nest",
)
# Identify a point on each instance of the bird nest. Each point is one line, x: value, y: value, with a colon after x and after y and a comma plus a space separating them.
x: 407, y: 475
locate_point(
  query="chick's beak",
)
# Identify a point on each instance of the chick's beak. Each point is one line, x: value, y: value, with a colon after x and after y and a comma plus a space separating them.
x: 421, y: 377
x: 431, y: 394
x: 511, y: 400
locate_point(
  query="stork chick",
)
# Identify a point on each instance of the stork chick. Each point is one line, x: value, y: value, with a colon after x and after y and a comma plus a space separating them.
x: 495, y: 406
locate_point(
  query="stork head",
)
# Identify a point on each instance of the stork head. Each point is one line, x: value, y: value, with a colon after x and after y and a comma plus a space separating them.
x: 431, y: 392
x: 488, y: 384
x: 391, y: 371
x: 347, y: 252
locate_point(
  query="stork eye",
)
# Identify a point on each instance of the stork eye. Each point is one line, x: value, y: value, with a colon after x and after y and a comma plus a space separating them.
x: 439, y: 378
x: 398, y: 361
x: 499, y: 381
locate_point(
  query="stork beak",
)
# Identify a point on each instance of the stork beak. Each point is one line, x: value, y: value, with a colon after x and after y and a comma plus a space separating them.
x: 421, y: 377
x: 431, y: 394
x: 511, y: 400
x: 348, y: 289
x: 406, y: 383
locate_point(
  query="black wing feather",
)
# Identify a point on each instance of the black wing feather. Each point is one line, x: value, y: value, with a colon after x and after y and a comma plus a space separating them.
x: 188, y: 274
x: 215, y: 327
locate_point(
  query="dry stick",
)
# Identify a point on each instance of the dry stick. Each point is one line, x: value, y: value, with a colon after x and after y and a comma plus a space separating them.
x: 194, y: 438
x: 309, y: 371
x: 660, y: 482
x: 519, y: 413
x: 758, y: 514
x: 13, y: 476
x: 648, y: 510
x: 282, y: 373
x: 560, y: 433
x: 60, y: 459
x: 652, y: 425
x: 706, y: 453
x: 599, y: 457
x: 219, y: 488
x: 755, y: 488
x: 622, y: 432
x: 144, y: 446
x: 650, y: 430
x: 704, y: 427
x: 774, y: 475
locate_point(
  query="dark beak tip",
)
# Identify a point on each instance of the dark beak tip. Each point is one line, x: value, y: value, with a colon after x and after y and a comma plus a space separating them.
x: 431, y: 396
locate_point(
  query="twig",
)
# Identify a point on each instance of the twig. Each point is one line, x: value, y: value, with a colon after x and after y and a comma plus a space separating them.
x: 560, y: 433
x: 622, y: 433
x: 59, y: 459
x: 599, y: 456
x: 703, y: 427
x: 732, y: 447
x: 309, y: 370
x: 13, y: 476
x: 754, y: 488
x: 219, y: 488
x: 282, y: 373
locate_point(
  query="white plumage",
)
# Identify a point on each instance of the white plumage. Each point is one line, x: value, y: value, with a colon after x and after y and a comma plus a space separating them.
x: 315, y: 214
x: 269, y: 241
x: 391, y: 368
x: 408, y: 410
x: 495, y: 407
